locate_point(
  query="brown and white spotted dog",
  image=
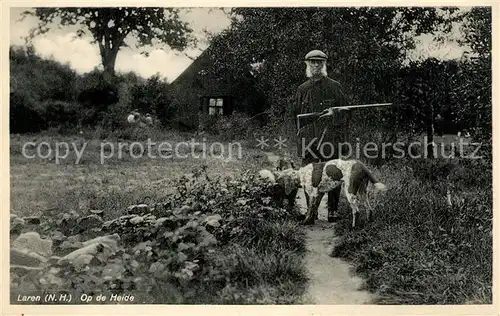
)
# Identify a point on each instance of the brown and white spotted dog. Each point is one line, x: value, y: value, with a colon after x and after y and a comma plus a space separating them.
x: 287, y: 184
x: 319, y: 178
x: 285, y: 164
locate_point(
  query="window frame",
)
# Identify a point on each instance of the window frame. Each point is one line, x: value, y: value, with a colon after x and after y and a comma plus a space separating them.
x: 216, y: 107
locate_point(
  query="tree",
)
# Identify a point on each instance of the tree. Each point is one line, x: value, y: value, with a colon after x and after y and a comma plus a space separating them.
x: 366, y: 46
x: 473, y: 87
x: 425, y: 97
x: 457, y: 91
x: 110, y: 27
x: 477, y: 29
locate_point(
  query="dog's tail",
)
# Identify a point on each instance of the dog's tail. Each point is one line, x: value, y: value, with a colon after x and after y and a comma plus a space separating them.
x: 378, y: 185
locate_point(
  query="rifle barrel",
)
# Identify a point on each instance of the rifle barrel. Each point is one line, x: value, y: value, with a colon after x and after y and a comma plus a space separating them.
x: 363, y: 105
x: 340, y: 107
x: 344, y: 107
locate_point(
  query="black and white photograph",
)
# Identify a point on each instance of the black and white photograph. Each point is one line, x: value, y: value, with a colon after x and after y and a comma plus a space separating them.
x: 249, y: 155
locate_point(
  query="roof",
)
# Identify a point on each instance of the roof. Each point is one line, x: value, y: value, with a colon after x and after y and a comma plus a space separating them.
x: 193, y: 77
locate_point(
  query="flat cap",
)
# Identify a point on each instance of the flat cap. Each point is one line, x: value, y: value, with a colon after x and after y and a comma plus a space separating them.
x: 316, y: 55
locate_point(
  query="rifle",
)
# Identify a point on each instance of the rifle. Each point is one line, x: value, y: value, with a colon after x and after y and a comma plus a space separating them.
x: 316, y: 115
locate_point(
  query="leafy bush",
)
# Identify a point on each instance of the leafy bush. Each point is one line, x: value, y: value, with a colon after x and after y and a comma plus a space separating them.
x: 237, y: 126
x: 40, y: 79
x: 95, y: 95
x: 419, y: 250
x: 35, y: 83
x: 153, y: 97
x: 25, y: 116
x: 61, y: 115
x: 212, y: 241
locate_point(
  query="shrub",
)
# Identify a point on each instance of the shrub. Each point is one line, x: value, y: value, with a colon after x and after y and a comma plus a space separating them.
x: 25, y: 116
x: 419, y: 250
x: 236, y: 126
x: 34, y: 83
x: 62, y: 115
x: 95, y: 95
x: 196, y: 245
x: 114, y: 119
x: 153, y: 97
x: 41, y: 79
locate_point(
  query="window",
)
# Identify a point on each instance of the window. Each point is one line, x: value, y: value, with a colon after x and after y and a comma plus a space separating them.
x: 215, y: 106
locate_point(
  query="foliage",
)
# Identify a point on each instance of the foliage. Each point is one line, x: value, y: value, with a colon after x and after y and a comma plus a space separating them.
x: 95, y: 96
x: 428, y: 252
x: 109, y: 27
x: 185, y: 105
x: 39, y: 88
x: 473, y: 87
x: 153, y: 97
x: 194, y: 247
x: 367, y: 56
x: 62, y: 116
x: 25, y: 116
x: 48, y: 95
x: 474, y: 91
x: 94, y: 90
x: 425, y: 96
x: 467, y: 99
x: 237, y: 126
x: 40, y: 79
x: 477, y: 30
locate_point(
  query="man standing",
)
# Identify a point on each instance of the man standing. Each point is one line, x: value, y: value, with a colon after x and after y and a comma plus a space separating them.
x: 318, y: 140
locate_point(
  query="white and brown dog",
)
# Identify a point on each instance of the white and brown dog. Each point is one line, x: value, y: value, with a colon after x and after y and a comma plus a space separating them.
x: 317, y: 179
x: 287, y: 184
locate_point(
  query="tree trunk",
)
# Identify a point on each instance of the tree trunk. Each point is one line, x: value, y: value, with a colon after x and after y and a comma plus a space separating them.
x: 430, y: 146
x: 430, y: 136
x: 109, y: 45
x: 108, y: 62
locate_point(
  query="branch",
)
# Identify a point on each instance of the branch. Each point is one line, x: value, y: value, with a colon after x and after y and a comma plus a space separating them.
x: 119, y: 42
x: 102, y: 49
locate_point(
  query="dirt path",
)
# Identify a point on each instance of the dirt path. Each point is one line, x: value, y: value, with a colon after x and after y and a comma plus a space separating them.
x: 331, y: 282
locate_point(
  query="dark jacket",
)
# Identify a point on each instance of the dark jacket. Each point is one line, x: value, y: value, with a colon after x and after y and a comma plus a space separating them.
x: 315, y: 96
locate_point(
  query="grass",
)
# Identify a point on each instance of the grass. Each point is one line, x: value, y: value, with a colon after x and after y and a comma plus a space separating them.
x: 419, y: 250
x: 38, y: 184
x: 266, y: 269
x: 265, y: 266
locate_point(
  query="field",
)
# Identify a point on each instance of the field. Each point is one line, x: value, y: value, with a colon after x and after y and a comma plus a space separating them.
x: 245, y: 266
x: 218, y: 238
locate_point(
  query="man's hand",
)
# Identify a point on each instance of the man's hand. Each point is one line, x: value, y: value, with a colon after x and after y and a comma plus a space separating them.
x: 329, y: 111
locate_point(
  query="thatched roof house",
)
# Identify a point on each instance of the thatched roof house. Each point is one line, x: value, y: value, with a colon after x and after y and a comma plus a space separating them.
x: 200, y: 91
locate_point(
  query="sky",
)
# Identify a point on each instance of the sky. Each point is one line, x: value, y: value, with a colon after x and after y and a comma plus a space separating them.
x: 82, y: 56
